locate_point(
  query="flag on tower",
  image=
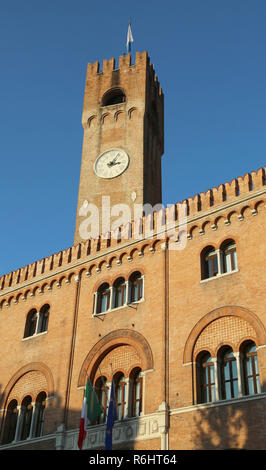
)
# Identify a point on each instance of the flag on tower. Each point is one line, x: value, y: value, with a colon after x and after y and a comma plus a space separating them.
x: 129, y: 37
x: 91, y: 409
x: 110, y: 419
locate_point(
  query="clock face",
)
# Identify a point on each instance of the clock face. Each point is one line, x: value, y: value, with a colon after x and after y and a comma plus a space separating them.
x: 111, y: 163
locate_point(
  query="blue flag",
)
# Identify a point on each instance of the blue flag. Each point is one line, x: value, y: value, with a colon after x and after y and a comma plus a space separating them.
x: 110, y: 419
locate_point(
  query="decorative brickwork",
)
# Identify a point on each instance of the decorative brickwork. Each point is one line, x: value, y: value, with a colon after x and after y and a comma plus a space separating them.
x: 31, y: 384
x: 227, y: 330
x: 123, y: 359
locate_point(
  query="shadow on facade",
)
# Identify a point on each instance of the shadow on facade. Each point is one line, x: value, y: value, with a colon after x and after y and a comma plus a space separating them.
x: 61, y: 429
x: 239, y: 425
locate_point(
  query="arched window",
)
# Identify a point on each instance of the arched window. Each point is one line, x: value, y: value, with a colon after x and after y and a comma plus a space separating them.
x: 113, y: 96
x: 229, y: 374
x: 209, y: 263
x: 229, y: 259
x: 136, y: 286
x: 43, y: 318
x: 102, y: 393
x: 251, y: 369
x: 103, y: 298
x: 136, y: 395
x: 206, y: 378
x: 26, y: 416
x: 39, y: 414
x: 10, y: 422
x: 119, y: 292
x: 31, y: 323
x: 120, y: 395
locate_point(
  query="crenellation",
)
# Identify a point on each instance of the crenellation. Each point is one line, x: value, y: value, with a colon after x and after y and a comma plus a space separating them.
x: 124, y: 62
x: 171, y: 214
x: 245, y: 183
x: 93, y: 69
x: 23, y: 274
x: 31, y: 271
x: 50, y: 263
x: 232, y: 189
x: 194, y: 204
x: 206, y: 200
x: 258, y: 178
x: 224, y: 194
x: 17, y: 276
x: 9, y: 279
x: 65, y: 256
x: 219, y: 194
x: 140, y: 58
x: 57, y: 260
x: 108, y: 65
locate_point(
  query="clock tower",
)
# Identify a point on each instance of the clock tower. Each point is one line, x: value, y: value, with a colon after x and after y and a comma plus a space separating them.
x: 123, y: 121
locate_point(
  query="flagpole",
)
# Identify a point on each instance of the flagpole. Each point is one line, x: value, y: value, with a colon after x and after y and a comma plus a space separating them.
x: 111, y: 415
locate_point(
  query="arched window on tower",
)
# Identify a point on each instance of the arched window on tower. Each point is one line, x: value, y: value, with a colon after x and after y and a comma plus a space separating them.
x: 136, y: 286
x: 250, y: 368
x: 113, y: 96
x: 10, y: 422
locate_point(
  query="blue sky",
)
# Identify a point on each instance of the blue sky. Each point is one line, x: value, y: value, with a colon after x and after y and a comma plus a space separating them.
x: 210, y: 59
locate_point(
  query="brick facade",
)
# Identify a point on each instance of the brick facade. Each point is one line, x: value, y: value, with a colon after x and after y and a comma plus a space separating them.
x: 179, y: 316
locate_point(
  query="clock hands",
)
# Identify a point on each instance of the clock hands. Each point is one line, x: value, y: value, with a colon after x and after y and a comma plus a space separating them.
x: 113, y: 162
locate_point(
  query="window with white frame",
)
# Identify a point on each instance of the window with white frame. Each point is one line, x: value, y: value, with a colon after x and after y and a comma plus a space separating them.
x: 229, y: 375
x: 128, y: 394
x: 37, y: 322
x: 228, y: 254
x: 217, y: 262
x: 24, y: 421
x: 119, y: 294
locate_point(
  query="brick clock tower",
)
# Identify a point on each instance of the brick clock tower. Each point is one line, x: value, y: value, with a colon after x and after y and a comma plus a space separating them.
x: 123, y: 120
